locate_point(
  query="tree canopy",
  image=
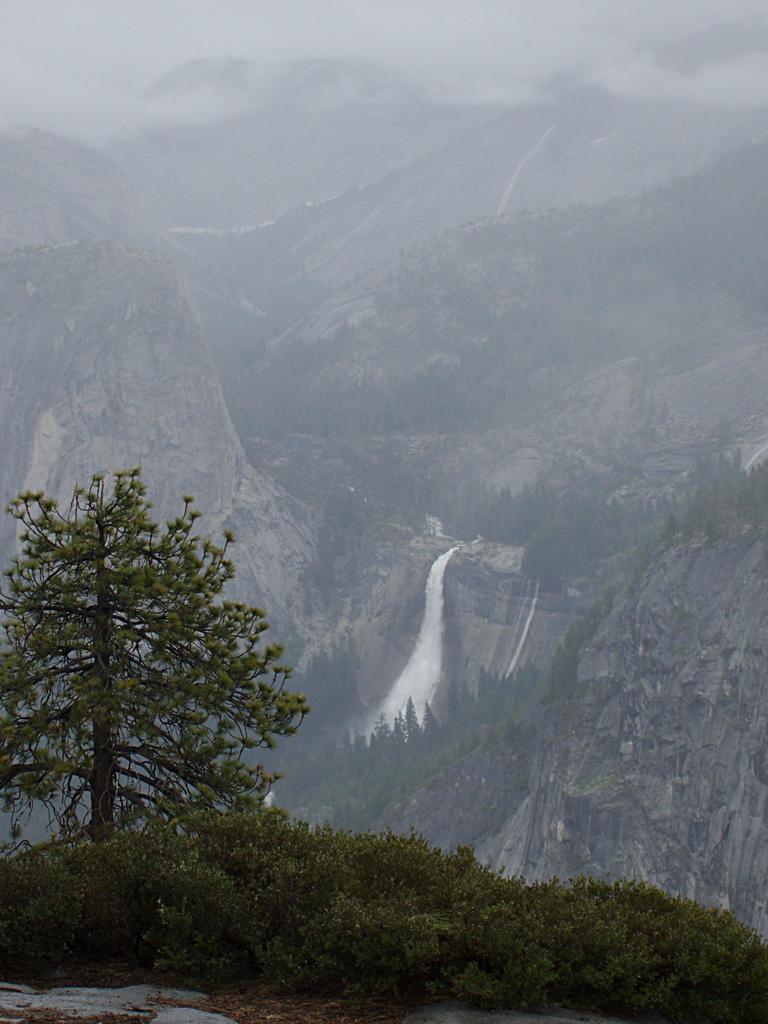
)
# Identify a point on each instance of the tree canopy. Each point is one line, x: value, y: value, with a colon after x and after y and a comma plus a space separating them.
x: 129, y: 689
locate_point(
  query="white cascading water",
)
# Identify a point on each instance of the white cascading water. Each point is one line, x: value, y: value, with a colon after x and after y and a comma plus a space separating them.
x: 421, y: 675
x: 526, y: 629
x: 532, y: 152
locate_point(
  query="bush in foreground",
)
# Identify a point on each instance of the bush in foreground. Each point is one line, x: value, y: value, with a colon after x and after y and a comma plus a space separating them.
x: 325, y: 911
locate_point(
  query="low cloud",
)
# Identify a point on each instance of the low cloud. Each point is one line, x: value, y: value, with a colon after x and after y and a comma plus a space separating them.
x: 742, y: 84
x: 85, y: 67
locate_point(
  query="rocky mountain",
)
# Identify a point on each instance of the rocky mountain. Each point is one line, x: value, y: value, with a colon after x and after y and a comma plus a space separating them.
x: 622, y: 344
x: 503, y: 348
x: 103, y: 366
x: 618, y: 344
x: 53, y: 190
x: 581, y: 145
x: 403, y: 359
x: 654, y: 764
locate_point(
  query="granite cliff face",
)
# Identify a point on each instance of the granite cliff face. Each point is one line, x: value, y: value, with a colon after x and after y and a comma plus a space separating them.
x: 103, y: 366
x: 496, y: 618
x: 655, y: 765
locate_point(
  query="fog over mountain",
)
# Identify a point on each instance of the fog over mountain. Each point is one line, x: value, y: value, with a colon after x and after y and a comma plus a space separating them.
x: 457, y: 314
x: 89, y: 68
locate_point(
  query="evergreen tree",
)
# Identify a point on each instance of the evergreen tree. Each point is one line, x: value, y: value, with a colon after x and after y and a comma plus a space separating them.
x: 381, y: 731
x: 398, y: 730
x: 429, y: 725
x: 411, y: 722
x: 127, y: 690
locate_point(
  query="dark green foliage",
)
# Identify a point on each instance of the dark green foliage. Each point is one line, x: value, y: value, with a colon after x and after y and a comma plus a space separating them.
x: 351, y: 782
x: 40, y: 908
x: 330, y: 681
x: 565, y: 531
x: 344, y: 519
x: 129, y: 689
x: 628, y: 946
x: 328, y: 912
x: 726, y: 505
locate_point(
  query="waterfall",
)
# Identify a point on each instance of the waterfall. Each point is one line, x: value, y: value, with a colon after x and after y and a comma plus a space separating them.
x: 524, y: 635
x: 532, y: 152
x: 421, y: 675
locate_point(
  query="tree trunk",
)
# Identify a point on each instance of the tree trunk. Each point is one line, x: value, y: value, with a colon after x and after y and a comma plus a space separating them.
x: 102, y: 781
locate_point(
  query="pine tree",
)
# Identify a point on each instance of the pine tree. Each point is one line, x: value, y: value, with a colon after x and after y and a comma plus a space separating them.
x: 429, y: 726
x: 398, y: 730
x: 411, y: 722
x: 381, y: 731
x: 129, y: 690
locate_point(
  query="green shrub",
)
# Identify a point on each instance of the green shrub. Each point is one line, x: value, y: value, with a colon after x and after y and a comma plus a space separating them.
x: 39, y: 909
x: 317, y: 910
x: 364, y: 946
x: 628, y: 946
x: 116, y: 882
x: 502, y: 960
x: 157, y: 897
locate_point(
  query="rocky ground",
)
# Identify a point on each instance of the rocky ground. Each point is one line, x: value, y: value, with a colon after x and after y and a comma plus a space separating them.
x: 96, y: 996
x: 138, y: 1004
x: 454, y: 1013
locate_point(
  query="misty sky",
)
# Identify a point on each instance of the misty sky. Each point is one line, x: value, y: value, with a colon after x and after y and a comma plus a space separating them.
x: 82, y: 65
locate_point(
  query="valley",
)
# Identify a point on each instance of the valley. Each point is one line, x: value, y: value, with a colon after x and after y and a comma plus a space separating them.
x: 454, y: 385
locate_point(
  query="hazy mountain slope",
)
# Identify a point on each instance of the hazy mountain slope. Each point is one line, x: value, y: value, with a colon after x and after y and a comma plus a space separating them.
x: 582, y: 146
x: 103, y: 366
x: 615, y: 344
x: 52, y: 191
x: 523, y: 322
x: 654, y: 766
x: 280, y: 136
x: 618, y: 343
